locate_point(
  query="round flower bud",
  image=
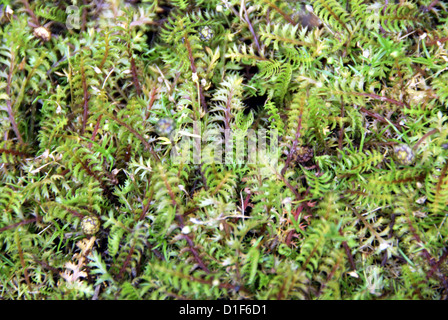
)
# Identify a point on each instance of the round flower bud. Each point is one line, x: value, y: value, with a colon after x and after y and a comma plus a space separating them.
x: 403, y: 154
x: 164, y: 126
x: 206, y: 33
x: 90, y: 225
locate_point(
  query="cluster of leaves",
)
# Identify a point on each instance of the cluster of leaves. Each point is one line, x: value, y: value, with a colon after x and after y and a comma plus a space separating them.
x: 349, y: 80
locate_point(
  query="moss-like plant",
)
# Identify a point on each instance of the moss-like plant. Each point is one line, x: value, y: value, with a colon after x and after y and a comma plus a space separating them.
x: 98, y: 200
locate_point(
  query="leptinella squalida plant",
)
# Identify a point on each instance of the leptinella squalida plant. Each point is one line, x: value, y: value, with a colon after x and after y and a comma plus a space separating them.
x: 223, y: 149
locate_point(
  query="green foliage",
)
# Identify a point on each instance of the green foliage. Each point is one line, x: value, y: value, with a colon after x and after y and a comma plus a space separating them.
x: 51, y: 13
x: 92, y: 117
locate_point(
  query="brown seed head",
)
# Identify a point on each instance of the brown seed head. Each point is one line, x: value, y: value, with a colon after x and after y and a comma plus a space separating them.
x: 42, y: 33
x: 404, y: 154
x: 303, y: 154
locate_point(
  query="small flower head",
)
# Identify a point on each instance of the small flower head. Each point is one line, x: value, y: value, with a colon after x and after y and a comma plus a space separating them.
x: 206, y: 33
x: 303, y: 154
x: 404, y: 154
x: 90, y: 225
x: 164, y: 126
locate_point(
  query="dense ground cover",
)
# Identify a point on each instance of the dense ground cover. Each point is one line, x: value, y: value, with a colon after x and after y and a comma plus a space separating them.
x: 98, y: 100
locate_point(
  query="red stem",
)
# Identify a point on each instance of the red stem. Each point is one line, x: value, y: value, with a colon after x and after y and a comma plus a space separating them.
x: 86, y: 99
x: 95, y: 131
x: 8, y: 101
x: 18, y: 224
x: 294, y: 145
x: 193, y: 69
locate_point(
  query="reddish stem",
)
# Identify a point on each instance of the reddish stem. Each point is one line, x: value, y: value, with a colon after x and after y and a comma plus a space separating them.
x: 151, y: 101
x: 86, y: 99
x: 294, y: 145
x: 18, y: 224
x: 8, y: 101
x: 95, y: 131
x: 194, y: 70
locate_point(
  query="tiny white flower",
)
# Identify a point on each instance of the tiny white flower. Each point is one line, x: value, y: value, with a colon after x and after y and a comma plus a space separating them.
x: 421, y: 200
x: 366, y: 53
x: 186, y: 230
x: 182, y: 188
x: 97, y: 70
x: 395, y: 54
x: 227, y: 261
x: 384, y: 245
x: 8, y: 10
